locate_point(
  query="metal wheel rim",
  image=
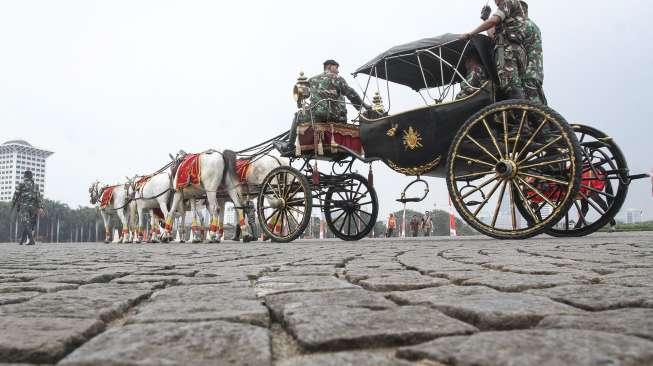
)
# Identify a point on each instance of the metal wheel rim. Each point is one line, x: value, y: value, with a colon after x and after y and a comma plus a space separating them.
x: 523, y: 146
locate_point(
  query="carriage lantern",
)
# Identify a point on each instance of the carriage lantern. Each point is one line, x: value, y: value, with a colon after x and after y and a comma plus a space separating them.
x: 300, y: 91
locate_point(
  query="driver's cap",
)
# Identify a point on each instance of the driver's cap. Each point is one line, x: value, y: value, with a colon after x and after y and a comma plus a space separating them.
x: 330, y: 62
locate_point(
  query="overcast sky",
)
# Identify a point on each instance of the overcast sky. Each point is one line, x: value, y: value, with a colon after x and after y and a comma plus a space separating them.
x: 112, y: 87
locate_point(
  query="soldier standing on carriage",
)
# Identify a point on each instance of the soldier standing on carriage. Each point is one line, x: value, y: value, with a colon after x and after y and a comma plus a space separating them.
x: 327, y: 100
x: 27, y: 201
x: 534, y: 74
x: 510, y: 55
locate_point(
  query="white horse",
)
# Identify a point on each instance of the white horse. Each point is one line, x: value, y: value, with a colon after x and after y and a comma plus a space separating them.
x: 211, y: 174
x: 151, y: 193
x: 242, y: 178
x: 112, y: 199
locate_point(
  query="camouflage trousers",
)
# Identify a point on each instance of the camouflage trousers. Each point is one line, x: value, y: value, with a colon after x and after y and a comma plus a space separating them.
x: 511, y: 65
x: 534, y: 91
x: 26, y: 224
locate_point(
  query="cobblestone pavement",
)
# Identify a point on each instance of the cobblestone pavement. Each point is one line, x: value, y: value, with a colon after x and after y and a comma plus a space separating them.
x: 471, y: 301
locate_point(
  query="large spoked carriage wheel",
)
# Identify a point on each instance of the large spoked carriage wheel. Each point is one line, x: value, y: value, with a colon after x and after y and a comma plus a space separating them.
x: 603, y: 185
x: 514, y: 169
x: 351, y: 208
x: 284, y: 204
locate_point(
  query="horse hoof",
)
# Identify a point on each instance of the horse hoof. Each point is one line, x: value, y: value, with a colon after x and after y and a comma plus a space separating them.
x: 247, y: 238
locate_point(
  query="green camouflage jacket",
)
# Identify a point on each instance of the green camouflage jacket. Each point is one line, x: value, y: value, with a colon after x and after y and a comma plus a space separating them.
x: 511, y: 28
x: 328, y: 92
x: 476, y: 77
x: 27, y: 197
x: 533, y: 46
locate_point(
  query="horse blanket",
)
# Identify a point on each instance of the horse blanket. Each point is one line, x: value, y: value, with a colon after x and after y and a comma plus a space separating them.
x: 188, y: 172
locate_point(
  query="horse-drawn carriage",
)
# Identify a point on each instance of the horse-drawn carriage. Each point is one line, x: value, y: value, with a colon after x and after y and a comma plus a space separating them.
x: 514, y: 169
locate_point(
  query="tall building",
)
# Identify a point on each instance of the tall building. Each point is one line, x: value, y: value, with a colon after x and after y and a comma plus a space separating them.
x: 17, y: 156
x: 634, y: 216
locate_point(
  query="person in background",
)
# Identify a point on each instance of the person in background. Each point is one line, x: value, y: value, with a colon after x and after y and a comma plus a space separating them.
x: 414, y: 226
x: 392, y: 225
x: 427, y: 224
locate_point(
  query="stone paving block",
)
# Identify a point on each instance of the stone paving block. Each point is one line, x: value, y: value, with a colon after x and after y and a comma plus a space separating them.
x: 432, y: 263
x: 204, y: 343
x: 147, y: 278
x: 202, y: 303
x: 356, y: 275
x: 82, y: 277
x: 599, y: 297
x: 635, y: 322
x: 36, y: 286
x: 279, y: 303
x: 359, y: 358
x: 340, y: 327
x: 401, y: 281
x: 43, y: 340
x: 485, y: 308
x: 281, y: 284
x: 535, y: 348
x: 312, y: 270
x: 515, y: 282
x: 17, y: 297
x: 105, y: 302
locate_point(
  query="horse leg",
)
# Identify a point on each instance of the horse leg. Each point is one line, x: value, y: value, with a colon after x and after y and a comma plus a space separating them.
x: 239, y: 203
x: 182, y: 233
x: 125, y: 226
x: 221, y: 208
x: 195, y: 226
x: 107, y: 230
x: 139, y: 229
x: 170, y: 217
x: 212, y: 203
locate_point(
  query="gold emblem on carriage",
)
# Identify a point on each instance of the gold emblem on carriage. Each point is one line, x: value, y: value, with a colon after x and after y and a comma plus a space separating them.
x: 412, y: 139
x: 393, y: 131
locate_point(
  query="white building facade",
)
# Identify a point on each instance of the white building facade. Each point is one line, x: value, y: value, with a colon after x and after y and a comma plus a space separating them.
x: 17, y: 156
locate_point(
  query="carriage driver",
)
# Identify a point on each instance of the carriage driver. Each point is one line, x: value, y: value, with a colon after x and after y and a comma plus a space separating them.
x: 328, y: 92
x: 510, y: 55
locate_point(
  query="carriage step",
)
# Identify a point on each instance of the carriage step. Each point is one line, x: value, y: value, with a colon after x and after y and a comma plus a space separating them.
x: 639, y: 176
x: 410, y: 200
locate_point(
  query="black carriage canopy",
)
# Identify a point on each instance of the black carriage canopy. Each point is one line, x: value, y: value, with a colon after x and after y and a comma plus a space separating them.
x: 403, y: 62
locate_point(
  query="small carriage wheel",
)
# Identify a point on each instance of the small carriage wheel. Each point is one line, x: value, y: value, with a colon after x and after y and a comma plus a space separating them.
x: 351, y: 208
x: 284, y: 204
x: 603, y: 186
x: 524, y: 160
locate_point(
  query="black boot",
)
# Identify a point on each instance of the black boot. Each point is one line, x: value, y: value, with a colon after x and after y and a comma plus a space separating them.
x: 287, y: 147
x: 236, y: 233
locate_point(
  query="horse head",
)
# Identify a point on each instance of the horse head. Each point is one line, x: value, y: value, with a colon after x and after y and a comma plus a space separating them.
x: 94, y: 192
x: 130, y: 186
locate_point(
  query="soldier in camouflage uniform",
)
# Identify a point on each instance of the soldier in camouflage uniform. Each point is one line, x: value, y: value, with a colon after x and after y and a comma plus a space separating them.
x: 27, y: 201
x: 534, y: 75
x: 476, y: 77
x: 327, y: 102
x: 510, y: 55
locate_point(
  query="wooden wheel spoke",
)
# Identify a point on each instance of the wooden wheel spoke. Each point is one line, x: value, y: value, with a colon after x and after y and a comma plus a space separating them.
x: 521, y: 126
x: 480, y: 207
x: 591, y: 203
x: 511, y: 197
x: 294, y: 220
x: 499, y: 202
x: 483, y: 148
x: 541, y: 149
x: 272, y: 214
x: 463, y: 157
x: 581, y: 215
x: 545, y: 163
x: 530, y: 140
x: 505, y: 134
x: 474, y: 175
x: 297, y: 210
x: 537, y: 191
x: 492, y: 137
x: 479, y: 187
x: 527, y: 204
x: 598, y: 191
x: 545, y: 177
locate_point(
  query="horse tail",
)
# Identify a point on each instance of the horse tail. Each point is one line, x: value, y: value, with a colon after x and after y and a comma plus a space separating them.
x: 230, y: 158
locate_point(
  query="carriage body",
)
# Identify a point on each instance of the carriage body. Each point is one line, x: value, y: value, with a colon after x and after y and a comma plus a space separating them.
x: 514, y: 168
